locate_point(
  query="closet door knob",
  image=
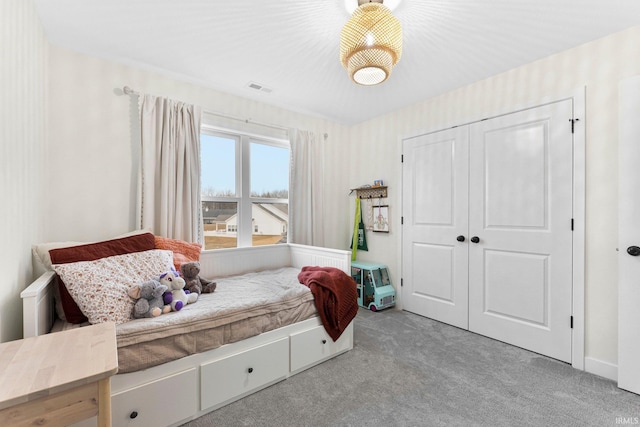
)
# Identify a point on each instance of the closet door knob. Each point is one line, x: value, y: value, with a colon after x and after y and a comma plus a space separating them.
x: 250, y: 370
x: 633, y: 250
x: 460, y: 238
x: 133, y: 415
x: 475, y: 239
x: 324, y: 341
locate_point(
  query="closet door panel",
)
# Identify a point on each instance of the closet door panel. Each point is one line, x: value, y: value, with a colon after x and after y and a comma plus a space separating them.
x: 435, y: 263
x: 516, y: 286
x: 515, y: 161
x: 520, y: 208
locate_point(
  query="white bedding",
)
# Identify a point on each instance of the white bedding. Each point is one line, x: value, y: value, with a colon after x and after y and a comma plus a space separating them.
x: 235, y: 298
x: 241, y: 307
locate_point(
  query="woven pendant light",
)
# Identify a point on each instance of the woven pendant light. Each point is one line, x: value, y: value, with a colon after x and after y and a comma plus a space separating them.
x: 370, y: 43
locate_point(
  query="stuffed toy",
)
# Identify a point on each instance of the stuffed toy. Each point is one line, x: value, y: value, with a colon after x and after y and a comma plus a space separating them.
x: 150, y: 302
x: 175, y: 295
x: 193, y: 282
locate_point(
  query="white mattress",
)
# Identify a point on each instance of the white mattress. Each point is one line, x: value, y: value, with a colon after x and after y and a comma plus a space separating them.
x: 241, y: 307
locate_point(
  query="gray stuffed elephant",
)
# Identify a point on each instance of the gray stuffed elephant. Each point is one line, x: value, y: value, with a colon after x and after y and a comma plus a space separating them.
x: 149, y: 299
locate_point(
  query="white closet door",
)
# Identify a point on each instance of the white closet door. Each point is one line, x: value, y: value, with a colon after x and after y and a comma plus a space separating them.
x: 629, y: 236
x: 435, y: 205
x: 520, y: 210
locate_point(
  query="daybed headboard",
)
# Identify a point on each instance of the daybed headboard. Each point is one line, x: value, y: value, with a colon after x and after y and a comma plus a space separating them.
x: 37, y: 300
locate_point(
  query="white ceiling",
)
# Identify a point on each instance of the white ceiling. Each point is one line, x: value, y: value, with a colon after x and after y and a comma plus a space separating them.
x: 291, y: 46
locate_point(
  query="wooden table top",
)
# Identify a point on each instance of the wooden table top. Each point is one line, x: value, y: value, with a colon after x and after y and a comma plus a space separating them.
x: 41, y: 366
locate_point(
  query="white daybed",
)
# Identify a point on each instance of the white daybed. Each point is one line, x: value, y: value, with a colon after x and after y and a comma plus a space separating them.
x: 178, y: 391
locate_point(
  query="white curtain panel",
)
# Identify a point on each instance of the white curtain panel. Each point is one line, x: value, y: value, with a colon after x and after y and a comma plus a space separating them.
x: 169, y: 190
x: 306, y: 222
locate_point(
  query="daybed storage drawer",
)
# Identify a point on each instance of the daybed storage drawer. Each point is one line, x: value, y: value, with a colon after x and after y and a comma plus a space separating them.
x: 241, y: 373
x: 147, y: 405
x: 314, y: 345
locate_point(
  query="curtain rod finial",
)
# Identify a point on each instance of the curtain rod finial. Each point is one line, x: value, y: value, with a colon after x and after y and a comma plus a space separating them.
x: 128, y: 91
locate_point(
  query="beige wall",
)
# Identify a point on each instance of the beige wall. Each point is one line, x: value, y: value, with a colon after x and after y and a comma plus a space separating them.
x: 23, y: 52
x: 93, y: 147
x: 598, y: 66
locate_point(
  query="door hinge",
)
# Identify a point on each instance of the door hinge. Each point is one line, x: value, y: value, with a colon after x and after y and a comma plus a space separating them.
x: 571, y: 224
x: 401, y: 158
x: 401, y: 282
x: 401, y: 220
x: 571, y: 322
x: 573, y: 124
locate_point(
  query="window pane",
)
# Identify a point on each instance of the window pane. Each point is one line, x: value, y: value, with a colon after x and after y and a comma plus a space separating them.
x: 220, y: 224
x: 269, y: 171
x: 270, y: 222
x: 218, y: 158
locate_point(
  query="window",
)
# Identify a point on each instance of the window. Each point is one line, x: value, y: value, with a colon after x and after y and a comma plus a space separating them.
x: 244, y: 189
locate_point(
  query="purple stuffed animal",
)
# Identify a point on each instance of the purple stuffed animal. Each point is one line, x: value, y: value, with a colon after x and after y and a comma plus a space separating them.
x: 176, y: 296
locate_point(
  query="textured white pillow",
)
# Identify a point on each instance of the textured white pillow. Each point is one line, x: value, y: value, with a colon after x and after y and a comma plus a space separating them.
x: 100, y: 287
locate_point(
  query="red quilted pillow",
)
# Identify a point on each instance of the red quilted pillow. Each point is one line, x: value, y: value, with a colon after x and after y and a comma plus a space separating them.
x: 92, y: 252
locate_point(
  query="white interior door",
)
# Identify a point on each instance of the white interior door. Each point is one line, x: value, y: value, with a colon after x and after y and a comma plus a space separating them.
x: 435, y: 206
x: 629, y: 236
x: 520, y: 212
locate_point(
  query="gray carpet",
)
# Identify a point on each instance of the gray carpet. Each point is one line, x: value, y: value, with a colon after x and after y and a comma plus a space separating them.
x: 406, y: 370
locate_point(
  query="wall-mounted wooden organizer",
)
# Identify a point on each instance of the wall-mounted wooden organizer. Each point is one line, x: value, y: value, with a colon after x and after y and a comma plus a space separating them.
x: 370, y: 192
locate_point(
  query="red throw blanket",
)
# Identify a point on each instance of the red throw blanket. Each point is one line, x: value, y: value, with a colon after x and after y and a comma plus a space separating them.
x: 335, y: 295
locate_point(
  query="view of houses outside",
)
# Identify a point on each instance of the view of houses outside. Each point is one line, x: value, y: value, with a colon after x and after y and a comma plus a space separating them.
x: 222, y: 178
x: 269, y: 223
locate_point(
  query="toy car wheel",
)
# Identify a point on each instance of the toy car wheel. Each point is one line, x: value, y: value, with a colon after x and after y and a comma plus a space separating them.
x: 373, y: 308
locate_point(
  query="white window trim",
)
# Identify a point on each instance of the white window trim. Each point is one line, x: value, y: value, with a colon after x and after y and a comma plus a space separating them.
x: 244, y: 227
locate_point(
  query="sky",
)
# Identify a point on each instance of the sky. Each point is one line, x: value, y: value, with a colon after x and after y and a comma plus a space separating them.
x: 269, y: 165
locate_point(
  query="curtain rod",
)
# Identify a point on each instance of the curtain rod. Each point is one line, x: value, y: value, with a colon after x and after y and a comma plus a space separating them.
x: 128, y: 91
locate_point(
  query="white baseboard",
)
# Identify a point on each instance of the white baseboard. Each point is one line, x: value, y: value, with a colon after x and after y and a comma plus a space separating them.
x: 600, y: 368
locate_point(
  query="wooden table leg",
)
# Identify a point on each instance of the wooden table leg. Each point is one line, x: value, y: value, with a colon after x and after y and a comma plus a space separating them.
x: 104, y: 402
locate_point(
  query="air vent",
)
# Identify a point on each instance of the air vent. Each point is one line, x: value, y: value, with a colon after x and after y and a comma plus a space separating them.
x: 259, y: 87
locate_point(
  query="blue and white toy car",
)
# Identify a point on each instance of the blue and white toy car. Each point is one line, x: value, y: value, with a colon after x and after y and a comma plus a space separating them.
x: 375, y: 291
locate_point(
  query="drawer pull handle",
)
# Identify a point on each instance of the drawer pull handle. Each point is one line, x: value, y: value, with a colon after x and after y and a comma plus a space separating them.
x: 250, y: 370
x: 324, y: 341
x: 133, y: 415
